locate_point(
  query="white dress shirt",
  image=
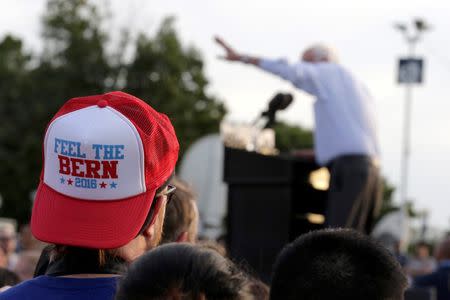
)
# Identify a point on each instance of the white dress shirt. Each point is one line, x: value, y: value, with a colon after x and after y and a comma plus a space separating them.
x: 343, y: 109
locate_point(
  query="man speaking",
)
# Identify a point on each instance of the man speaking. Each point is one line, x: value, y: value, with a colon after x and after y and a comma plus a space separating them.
x: 345, y: 133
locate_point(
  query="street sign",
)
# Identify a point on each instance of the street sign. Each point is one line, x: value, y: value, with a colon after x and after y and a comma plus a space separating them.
x: 410, y: 70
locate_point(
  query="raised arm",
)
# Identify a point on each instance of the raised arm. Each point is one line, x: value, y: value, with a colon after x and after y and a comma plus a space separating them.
x: 300, y: 75
x: 232, y: 55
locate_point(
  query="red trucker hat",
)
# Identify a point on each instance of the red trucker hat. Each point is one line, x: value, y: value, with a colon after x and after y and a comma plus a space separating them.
x: 104, y: 158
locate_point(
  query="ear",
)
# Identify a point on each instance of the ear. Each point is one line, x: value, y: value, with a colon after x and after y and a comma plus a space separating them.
x: 149, y: 231
x: 183, y: 237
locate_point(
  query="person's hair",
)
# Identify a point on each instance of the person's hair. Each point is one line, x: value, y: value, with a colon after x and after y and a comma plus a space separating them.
x: 258, y: 289
x: 43, y: 261
x: 424, y: 244
x: 8, y: 278
x: 336, y: 264
x: 213, y: 245
x: 322, y: 52
x: 180, y: 212
x: 183, y: 270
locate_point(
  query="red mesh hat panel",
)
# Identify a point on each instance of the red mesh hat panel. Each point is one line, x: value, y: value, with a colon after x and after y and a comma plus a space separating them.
x: 158, y: 136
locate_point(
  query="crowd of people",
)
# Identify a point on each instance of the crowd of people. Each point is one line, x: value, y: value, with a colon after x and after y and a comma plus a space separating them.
x: 325, y: 264
x: 19, y: 252
x: 111, y: 221
x: 428, y: 271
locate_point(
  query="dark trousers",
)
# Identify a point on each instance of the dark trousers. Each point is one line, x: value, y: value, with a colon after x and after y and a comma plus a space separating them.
x: 355, y: 193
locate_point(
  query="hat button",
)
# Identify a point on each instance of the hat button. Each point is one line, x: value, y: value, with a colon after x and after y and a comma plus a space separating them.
x: 102, y: 103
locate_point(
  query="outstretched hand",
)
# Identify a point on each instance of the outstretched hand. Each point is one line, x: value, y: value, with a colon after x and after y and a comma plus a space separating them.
x: 230, y: 53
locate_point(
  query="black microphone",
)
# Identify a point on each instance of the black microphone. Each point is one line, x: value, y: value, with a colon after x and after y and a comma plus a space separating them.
x: 279, y: 102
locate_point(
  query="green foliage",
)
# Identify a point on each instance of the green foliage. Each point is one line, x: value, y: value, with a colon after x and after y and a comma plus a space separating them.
x: 388, y: 203
x: 292, y: 137
x: 162, y: 62
x: 18, y: 144
x: 75, y: 62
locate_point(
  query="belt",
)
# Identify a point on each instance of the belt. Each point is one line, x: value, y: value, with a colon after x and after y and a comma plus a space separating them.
x: 352, y: 157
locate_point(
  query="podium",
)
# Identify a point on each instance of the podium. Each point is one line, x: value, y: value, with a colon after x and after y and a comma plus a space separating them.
x: 270, y: 202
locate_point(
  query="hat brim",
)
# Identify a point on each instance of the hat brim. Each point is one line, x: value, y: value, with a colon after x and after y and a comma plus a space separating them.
x: 100, y: 224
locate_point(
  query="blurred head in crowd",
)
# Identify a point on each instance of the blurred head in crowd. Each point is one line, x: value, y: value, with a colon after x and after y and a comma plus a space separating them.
x: 27, y: 241
x: 183, y: 271
x: 258, y: 289
x: 319, y: 53
x: 26, y: 264
x: 8, y: 243
x: 393, y: 245
x: 8, y: 237
x: 8, y: 278
x: 443, y: 250
x: 3, y: 259
x: 181, y: 220
x: 213, y: 245
x: 336, y: 264
x: 422, y: 250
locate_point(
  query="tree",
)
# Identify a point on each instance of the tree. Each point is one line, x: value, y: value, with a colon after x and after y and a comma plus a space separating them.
x: 75, y: 63
x: 389, y: 205
x: 172, y: 78
x: 292, y: 137
x: 18, y: 144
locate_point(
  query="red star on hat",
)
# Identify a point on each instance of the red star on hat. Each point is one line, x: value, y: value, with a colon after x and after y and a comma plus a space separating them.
x: 70, y: 181
x: 103, y: 185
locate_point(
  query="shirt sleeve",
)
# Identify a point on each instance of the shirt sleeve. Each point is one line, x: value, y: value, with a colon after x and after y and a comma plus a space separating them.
x: 302, y: 75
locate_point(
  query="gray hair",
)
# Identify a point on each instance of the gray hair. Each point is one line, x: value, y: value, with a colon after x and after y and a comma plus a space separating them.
x: 322, y: 52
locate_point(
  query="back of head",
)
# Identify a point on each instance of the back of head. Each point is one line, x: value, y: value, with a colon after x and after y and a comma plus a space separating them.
x: 181, y: 219
x: 182, y: 271
x: 336, y: 264
x: 443, y: 250
x: 319, y: 53
x: 8, y: 278
x: 258, y: 289
x: 105, y: 157
x: 8, y: 235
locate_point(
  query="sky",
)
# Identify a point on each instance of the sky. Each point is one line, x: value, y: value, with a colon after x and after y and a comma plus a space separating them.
x: 361, y: 31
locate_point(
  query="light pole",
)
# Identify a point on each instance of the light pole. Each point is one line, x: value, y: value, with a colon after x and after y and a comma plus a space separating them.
x: 412, y: 35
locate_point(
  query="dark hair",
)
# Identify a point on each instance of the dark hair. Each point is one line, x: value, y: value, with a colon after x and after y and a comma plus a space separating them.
x: 43, y: 262
x: 336, y: 264
x: 180, y: 212
x: 258, y: 289
x: 422, y: 244
x: 8, y: 278
x: 185, y: 270
x: 213, y: 245
x: 443, y: 250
